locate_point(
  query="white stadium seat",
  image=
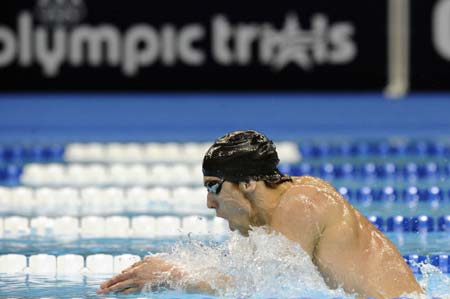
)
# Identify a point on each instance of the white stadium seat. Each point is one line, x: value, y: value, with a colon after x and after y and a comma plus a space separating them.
x: 5, y: 199
x: 92, y: 227
x: 13, y: 263
x: 46, y: 200
x: 22, y: 200
x: 133, y: 152
x: 96, y: 175
x: 66, y: 227
x: 160, y: 199
x: 168, y: 226
x: 117, y: 227
x: 77, y: 174
x: 112, y: 200
x: 55, y: 174
x: 42, y: 264
x: 91, y: 152
x: 42, y: 226
x: 114, y: 152
x: 137, y: 200
x: 143, y: 227
x: 195, y: 225
x: 15, y: 226
x: 288, y: 152
x: 121, y: 262
x: 100, y: 263
x: 219, y: 226
x: 69, y: 264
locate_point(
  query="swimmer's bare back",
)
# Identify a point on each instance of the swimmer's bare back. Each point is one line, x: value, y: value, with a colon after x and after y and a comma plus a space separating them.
x: 346, y: 248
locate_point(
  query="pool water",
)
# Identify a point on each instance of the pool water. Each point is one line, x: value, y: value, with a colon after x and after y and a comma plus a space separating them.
x: 406, y: 195
x: 266, y: 266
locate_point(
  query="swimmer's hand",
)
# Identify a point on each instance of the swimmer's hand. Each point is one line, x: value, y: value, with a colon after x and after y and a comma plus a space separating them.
x: 151, y: 273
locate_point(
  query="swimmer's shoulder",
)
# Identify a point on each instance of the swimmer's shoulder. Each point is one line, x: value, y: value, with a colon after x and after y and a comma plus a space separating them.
x: 308, y: 185
x: 302, y: 190
x: 309, y: 191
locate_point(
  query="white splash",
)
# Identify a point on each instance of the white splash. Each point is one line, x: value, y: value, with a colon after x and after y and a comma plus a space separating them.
x: 263, y: 265
x: 434, y: 282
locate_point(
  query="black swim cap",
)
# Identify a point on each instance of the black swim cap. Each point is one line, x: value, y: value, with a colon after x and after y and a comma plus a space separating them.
x: 241, y: 155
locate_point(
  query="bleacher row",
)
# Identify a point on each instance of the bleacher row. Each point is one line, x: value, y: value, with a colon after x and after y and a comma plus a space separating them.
x: 386, y: 170
x: 169, y: 226
x: 110, y: 227
x: 130, y: 174
x: 178, y: 200
x: 71, y: 264
x: 123, y: 152
x: 374, y: 148
x: 409, y: 194
x: 73, y: 201
x: 117, y: 174
x: 193, y: 151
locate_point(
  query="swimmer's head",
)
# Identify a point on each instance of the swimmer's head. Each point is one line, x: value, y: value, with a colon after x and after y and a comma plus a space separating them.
x: 242, y: 156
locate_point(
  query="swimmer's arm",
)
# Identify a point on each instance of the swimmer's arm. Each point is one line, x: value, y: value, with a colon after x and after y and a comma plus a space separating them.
x: 154, y: 273
x: 207, y: 287
x: 299, y: 218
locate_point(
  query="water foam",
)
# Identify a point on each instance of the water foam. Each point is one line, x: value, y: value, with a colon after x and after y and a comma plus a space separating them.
x: 262, y: 265
x: 433, y: 281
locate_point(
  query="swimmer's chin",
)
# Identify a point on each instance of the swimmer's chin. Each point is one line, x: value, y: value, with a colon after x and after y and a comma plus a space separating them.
x: 241, y: 231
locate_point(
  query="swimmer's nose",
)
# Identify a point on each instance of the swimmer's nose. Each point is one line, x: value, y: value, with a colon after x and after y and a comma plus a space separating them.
x: 210, y: 202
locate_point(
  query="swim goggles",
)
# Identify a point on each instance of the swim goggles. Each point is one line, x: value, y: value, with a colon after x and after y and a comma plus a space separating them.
x: 214, y: 187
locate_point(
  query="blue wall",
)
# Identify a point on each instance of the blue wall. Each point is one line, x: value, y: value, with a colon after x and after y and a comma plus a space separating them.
x: 202, y: 117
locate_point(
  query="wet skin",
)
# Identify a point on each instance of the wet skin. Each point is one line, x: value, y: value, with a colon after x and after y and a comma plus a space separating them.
x: 346, y: 248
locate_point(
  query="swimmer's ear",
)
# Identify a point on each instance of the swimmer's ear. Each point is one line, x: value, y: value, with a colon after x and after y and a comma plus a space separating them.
x: 247, y: 187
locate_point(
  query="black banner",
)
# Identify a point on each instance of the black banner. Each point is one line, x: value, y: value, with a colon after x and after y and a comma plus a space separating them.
x: 430, y: 45
x: 175, y: 45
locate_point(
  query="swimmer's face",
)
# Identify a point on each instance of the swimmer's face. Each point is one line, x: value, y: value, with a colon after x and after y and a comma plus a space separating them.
x: 229, y: 203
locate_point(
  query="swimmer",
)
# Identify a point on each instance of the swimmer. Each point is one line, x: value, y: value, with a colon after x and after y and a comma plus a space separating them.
x: 245, y: 188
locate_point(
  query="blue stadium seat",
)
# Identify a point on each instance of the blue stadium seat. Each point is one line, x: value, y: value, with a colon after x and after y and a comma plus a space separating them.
x: 347, y: 193
x: 381, y: 148
x: 13, y: 173
x: 306, y: 169
x: 10, y: 174
x: 365, y: 195
x: 422, y: 223
x: 14, y: 153
x: 388, y: 194
x: 35, y: 153
x: 411, y: 194
x: 345, y: 171
x: 343, y: 149
x: 2, y: 154
x: 305, y: 149
x: 410, y: 169
x: 444, y: 223
x: 285, y: 168
x: 54, y: 152
x: 442, y: 262
x: 387, y: 170
x: 377, y: 221
x: 398, y: 224
x: 419, y: 148
x: 368, y: 170
x: 434, y: 194
x: 428, y: 170
x: 327, y: 171
x: 321, y: 150
x: 413, y: 260
x: 436, y: 149
x: 360, y: 148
